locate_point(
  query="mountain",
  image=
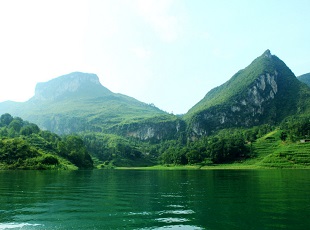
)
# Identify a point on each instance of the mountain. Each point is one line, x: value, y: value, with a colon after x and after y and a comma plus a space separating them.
x: 118, y: 130
x: 265, y: 92
x: 77, y: 102
x: 305, y: 78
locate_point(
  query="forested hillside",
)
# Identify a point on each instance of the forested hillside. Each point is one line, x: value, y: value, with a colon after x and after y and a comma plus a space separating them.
x: 24, y: 145
x: 260, y: 146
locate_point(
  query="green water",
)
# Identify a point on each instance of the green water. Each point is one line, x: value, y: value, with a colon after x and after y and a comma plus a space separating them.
x: 116, y: 199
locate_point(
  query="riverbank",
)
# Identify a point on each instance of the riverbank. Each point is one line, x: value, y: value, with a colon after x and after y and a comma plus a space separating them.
x: 209, y: 167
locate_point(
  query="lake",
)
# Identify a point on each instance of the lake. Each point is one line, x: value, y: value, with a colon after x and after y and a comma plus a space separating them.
x: 134, y: 199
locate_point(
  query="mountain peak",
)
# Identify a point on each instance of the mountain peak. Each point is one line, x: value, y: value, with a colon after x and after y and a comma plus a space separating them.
x: 80, y: 77
x: 263, y: 92
x: 267, y: 53
x: 67, y: 84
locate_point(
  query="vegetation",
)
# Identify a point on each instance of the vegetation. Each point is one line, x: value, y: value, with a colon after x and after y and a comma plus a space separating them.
x: 111, y: 150
x: 24, y: 146
x: 257, y: 147
x: 256, y: 119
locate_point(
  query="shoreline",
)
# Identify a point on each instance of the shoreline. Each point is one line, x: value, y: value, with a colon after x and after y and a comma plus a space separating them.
x: 215, y: 167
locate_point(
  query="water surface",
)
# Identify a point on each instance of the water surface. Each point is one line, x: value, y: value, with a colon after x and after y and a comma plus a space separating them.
x: 132, y: 199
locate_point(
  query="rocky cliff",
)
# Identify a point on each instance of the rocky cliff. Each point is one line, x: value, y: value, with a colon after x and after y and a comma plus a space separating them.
x: 264, y: 92
x: 153, y: 129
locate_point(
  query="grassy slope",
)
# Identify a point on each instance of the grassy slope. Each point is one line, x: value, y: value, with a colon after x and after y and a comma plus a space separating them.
x: 271, y: 152
x: 275, y: 153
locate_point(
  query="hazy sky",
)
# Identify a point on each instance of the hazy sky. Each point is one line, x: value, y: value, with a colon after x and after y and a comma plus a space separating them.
x: 166, y: 52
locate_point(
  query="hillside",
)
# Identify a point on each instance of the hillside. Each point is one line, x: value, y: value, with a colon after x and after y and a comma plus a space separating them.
x: 24, y: 146
x: 77, y: 102
x: 305, y: 78
x: 269, y: 151
x: 265, y: 92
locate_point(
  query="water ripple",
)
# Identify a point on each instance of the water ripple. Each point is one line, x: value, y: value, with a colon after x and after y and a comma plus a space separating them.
x: 172, y: 220
x: 17, y: 225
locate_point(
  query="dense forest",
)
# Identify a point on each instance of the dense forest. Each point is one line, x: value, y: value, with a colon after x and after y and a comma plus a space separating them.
x: 24, y: 146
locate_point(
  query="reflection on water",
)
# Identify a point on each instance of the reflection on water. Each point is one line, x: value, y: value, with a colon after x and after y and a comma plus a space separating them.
x: 18, y: 226
x: 224, y: 199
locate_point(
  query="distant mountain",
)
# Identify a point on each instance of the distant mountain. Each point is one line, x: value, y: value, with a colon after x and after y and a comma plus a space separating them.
x: 76, y: 85
x: 305, y: 78
x: 77, y: 102
x: 266, y: 91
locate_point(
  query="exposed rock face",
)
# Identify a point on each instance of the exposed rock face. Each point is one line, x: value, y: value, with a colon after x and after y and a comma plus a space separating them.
x: 66, y: 84
x: 152, y: 131
x: 266, y: 91
x: 246, y: 111
x: 267, y: 54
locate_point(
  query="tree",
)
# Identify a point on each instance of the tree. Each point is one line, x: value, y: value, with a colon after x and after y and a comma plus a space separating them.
x: 13, y: 149
x: 6, y: 119
x: 283, y: 136
x: 195, y: 156
x: 49, y: 136
x: 16, y: 124
x: 227, y: 149
x: 29, y: 129
x: 73, y: 148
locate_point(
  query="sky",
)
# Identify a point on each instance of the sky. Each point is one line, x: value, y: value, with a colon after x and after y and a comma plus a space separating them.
x: 166, y: 52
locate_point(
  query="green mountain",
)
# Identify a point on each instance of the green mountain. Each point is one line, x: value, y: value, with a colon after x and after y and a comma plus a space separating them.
x: 265, y: 92
x: 77, y: 102
x: 305, y: 78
